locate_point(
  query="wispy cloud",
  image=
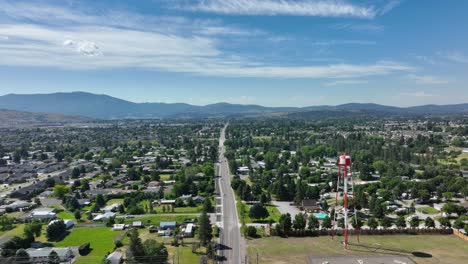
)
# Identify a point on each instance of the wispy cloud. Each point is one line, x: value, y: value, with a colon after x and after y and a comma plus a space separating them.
x: 358, y: 27
x: 324, y: 8
x: 71, y: 39
x: 388, y: 6
x: 428, y: 79
x: 427, y: 59
x: 420, y: 94
x: 454, y: 56
x: 345, y: 82
x: 342, y: 42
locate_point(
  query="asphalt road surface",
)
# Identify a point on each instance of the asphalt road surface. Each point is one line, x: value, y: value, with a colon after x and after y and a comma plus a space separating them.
x: 230, y: 239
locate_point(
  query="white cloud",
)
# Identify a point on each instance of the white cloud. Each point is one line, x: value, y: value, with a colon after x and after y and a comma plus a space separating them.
x: 345, y: 82
x: 427, y: 79
x: 84, y: 47
x: 324, y: 8
x: 41, y: 46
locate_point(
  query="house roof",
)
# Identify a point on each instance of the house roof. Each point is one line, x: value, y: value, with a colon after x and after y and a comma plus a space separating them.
x: 44, y: 252
x: 167, y: 223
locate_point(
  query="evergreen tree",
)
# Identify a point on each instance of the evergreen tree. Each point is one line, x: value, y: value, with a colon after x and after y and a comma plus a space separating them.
x: 401, y: 222
x: 22, y: 256
x: 327, y: 222
x: 205, y: 232
x: 53, y: 258
x: 429, y: 223
x: 136, y: 247
x: 285, y: 222
x: 313, y: 223
x: 372, y: 223
x: 299, y: 222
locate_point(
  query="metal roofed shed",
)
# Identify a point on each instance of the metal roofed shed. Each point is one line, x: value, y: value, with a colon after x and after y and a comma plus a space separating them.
x: 167, y: 225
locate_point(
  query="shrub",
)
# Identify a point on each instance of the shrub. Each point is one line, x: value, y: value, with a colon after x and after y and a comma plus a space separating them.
x: 251, y: 231
x: 84, y: 249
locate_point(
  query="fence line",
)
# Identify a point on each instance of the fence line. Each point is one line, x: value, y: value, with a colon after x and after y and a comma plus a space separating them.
x: 339, y: 232
x: 460, y: 235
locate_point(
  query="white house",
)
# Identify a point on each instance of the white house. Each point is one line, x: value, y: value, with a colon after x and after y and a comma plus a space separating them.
x: 188, y: 232
x: 115, y: 257
x: 44, y: 213
x: 118, y: 227
x: 104, y: 217
x: 110, y: 208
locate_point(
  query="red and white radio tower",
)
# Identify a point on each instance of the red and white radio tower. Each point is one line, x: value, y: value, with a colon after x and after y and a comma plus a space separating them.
x: 345, y: 178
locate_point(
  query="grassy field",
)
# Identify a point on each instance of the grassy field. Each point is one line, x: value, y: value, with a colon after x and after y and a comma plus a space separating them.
x: 443, y: 248
x: 428, y: 209
x: 177, y: 210
x: 272, y: 210
x: 66, y: 215
x: 165, y: 177
x: 101, y: 239
x: 156, y: 219
x: 17, y: 230
x: 115, y: 201
x: 462, y: 156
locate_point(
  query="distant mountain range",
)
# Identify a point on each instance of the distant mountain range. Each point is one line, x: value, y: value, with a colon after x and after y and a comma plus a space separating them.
x: 19, y: 118
x: 107, y: 107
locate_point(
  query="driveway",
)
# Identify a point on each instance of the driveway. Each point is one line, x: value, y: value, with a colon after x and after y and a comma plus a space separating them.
x: 285, y: 207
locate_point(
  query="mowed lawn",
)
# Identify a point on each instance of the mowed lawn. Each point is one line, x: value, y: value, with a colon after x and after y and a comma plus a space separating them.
x: 101, y: 239
x: 443, y: 248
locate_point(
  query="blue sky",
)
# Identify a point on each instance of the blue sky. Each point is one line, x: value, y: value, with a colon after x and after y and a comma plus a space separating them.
x: 268, y: 52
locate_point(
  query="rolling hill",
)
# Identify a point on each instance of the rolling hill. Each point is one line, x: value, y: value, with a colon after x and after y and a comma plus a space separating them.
x: 19, y: 118
x: 107, y: 107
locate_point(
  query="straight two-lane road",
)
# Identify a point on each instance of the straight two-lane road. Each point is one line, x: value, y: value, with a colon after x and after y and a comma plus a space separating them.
x: 230, y: 238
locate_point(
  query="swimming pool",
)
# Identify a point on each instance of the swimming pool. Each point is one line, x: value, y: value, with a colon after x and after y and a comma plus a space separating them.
x: 320, y: 215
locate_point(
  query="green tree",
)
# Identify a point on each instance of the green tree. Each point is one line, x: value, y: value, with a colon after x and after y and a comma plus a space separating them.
x: 386, y: 222
x: 327, y: 223
x: 258, y: 211
x: 75, y: 173
x: 207, y: 205
x: 205, y: 232
x: 155, y: 252
x: 414, y: 222
x: 445, y: 222
x: 22, y: 256
x: 55, y: 230
x: 251, y: 231
x: 61, y: 190
x: 372, y: 223
x: 136, y: 247
x: 285, y: 223
x: 299, y: 222
x: 429, y: 222
x: 53, y: 258
x: 6, y: 223
x: 33, y: 229
x: 313, y: 223
x: 77, y: 215
x: 401, y: 222
x: 459, y: 224
x: 100, y: 201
